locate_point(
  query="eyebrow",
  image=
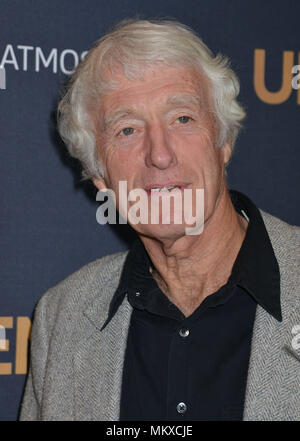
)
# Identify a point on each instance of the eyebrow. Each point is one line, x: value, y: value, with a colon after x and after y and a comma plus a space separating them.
x: 185, y: 99
x: 110, y: 119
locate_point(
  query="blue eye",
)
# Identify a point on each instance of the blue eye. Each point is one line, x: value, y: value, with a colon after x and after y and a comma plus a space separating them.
x: 184, y: 119
x: 127, y: 131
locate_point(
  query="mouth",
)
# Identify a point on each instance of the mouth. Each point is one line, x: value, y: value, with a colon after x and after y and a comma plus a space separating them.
x: 164, y: 188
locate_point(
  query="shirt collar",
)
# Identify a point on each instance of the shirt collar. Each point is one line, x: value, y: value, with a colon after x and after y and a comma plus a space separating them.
x: 255, y: 269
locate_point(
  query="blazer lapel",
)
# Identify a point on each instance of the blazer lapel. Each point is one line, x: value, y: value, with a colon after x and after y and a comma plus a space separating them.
x: 98, y: 363
x: 273, y: 384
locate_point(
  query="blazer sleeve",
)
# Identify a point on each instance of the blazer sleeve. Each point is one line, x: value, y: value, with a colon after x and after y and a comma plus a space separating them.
x: 30, y: 409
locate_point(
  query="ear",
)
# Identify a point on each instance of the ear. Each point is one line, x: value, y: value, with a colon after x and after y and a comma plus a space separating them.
x: 226, y: 151
x: 99, y: 183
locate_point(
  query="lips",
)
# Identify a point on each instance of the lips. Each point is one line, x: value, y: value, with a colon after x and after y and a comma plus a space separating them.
x: 164, y: 188
x: 167, y: 188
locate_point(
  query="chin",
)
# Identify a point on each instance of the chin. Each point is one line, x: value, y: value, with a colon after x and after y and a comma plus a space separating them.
x: 161, y: 232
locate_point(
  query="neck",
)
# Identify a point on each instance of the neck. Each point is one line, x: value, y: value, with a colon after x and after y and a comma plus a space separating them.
x: 190, y: 268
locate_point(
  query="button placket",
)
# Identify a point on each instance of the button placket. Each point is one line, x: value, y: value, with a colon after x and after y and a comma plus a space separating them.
x: 177, y: 406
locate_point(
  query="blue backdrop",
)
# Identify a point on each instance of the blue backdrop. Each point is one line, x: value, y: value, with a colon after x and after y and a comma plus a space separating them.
x: 48, y: 218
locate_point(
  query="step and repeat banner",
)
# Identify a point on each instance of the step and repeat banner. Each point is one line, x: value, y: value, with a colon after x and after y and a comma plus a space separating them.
x: 48, y: 216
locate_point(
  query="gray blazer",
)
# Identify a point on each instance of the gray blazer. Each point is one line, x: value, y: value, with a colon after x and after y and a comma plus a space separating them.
x: 76, y: 370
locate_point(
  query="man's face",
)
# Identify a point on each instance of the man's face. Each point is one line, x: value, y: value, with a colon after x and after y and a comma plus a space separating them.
x: 160, y: 132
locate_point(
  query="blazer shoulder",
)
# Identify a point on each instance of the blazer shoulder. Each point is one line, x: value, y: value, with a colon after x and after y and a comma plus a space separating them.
x: 284, y: 237
x: 82, y: 286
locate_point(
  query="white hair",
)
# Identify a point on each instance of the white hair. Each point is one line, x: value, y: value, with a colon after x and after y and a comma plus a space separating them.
x: 130, y: 45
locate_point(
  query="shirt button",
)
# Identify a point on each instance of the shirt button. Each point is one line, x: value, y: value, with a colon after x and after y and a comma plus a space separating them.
x: 184, y: 332
x: 181, y: 407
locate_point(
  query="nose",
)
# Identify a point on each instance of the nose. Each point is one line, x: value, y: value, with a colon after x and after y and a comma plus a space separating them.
x: 159, y: 151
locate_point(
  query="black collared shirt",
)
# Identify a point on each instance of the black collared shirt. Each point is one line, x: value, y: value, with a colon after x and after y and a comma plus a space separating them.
x: 195, y: 368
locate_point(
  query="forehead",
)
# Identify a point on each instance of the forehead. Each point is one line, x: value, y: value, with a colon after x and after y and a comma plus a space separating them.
x: 160, y: 84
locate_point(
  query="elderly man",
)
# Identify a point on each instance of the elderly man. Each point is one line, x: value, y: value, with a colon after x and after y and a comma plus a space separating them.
x: 183, y: 326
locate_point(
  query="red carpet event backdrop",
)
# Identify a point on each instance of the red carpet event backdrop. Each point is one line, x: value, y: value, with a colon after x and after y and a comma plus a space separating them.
x: 48, y: 217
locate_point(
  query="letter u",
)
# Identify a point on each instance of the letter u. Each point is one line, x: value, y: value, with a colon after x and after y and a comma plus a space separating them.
x: 259, y: 77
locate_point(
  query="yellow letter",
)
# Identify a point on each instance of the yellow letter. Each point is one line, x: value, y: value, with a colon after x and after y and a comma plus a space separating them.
x: 259, y: 77
x: 23, y: 335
